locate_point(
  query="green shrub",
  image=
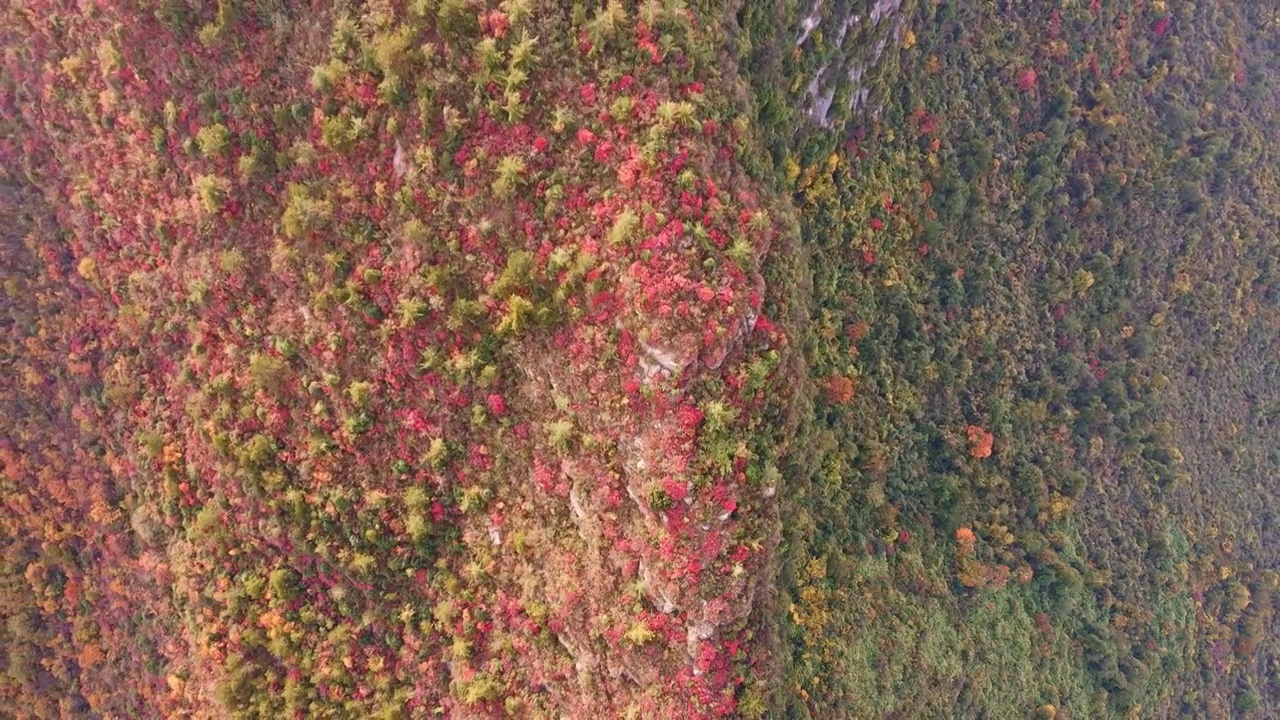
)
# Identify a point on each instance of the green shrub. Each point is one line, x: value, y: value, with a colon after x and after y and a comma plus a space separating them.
x: 213, y: 139
x: 211, y: 191
x: 304, y: 213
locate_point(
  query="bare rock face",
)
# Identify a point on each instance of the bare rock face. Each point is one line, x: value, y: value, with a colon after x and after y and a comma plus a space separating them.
x: 400, y: 161
x: 883, y: 9
x: 645, y: 533
x: 660, y: 362
x: 663, y: 595
x: 861, y: 41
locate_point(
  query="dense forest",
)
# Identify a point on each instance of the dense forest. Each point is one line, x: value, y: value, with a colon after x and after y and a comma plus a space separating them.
x: 657, y: 359
x: 1038, y: 472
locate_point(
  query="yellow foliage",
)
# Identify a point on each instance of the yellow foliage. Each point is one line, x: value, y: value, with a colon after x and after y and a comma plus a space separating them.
x: 87, y: 268
x: 793, y: 170
x: 639, y: 634
x: 210, y: 191
x: 109, y: 58
x: 461, y: 649
x: 1059, y: 506
x: 72, y: 66
x: 1082, y: 281
x: 817, y: 568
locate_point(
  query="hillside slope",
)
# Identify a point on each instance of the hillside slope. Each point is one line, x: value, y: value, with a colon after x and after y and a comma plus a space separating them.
x: 401, y: 360
x: 657, y: 359
x: 1040, y: 472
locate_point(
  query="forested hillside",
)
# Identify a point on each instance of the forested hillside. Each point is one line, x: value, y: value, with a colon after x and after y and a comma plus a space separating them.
x: 390, y: 360
x: 1040, y: 475
x: 658, y: 359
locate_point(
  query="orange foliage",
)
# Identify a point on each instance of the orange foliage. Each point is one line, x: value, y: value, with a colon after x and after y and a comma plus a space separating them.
x: 979, y: 442
x: 859, y: 331
x: 90, y: 655
x: 12, y: 462
x: 974, y: 574
x: 839, y: 389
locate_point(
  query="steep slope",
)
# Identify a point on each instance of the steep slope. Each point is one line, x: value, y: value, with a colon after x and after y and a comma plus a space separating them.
x: 1039, y: 477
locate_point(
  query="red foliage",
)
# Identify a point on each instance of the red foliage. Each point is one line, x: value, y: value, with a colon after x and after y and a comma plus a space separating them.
x: 1027, y: 80
x: 373, y: 417
x: 495, y: 23
x: 497, y: 405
